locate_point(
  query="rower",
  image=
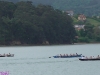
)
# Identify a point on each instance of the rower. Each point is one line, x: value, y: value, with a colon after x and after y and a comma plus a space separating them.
x: 70, y: 54
x: 86, y: 57
x: 76, y: 54
x: 98, y: 56
x: 82, y: 57
x: 60, y: 55
x: 9, y: 54
x: 4, y: 54
x: 90, y: 57
x: 94, y: 57
x: 73, y: 54
x: 66, y: 54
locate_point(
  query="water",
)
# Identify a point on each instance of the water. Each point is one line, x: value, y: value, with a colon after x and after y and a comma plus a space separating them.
x: 34, y: 60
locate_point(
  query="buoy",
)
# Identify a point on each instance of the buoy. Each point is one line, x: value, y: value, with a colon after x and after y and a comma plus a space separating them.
x: 49, y: 57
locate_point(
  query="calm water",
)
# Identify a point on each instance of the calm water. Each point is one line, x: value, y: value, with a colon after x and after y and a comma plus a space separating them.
x: 33, y: 60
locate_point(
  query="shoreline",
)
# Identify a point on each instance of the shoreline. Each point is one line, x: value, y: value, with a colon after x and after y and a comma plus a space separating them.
x: 44, y: 45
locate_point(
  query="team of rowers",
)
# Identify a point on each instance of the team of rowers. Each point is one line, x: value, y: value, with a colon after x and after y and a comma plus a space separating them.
x: 68, y: 55
x: 91, y: 57
x: 5, y: 55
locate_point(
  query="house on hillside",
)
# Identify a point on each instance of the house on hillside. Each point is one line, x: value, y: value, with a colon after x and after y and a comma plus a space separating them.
x: 98, y: 16
x: 70, y: 13
x: 82, y: 17
x: 79, y: 27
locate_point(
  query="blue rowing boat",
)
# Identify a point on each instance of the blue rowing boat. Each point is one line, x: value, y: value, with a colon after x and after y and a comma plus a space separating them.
x: 72, y: 56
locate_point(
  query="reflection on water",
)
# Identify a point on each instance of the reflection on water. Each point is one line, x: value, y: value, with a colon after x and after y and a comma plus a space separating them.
x: 34, y: 60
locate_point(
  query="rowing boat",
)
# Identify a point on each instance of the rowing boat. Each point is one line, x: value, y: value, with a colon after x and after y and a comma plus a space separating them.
x: 7, y: 55
x: 93, y: 59
x: 72, y: 56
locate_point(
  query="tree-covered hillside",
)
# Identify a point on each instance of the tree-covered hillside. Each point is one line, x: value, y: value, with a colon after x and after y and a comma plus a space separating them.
x: 25, y: 23
x: 36, y: 2
x: 87, y: 7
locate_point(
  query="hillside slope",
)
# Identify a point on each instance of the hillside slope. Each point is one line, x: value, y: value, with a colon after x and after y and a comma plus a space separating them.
x: 87, y: 7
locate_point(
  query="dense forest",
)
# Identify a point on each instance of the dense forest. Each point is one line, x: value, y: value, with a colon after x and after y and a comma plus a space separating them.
x: 87, y: 7
x: 35, y: 2
x: 24, y: 23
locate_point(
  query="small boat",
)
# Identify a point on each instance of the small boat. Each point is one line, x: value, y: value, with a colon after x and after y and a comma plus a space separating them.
x: 93, y: 59
x: 7, y: 55
x: 71, y: 56
x: 83, y: 58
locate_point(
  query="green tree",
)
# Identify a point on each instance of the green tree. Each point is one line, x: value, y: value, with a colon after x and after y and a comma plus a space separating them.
x: 97, y: 33
x: 89, y: 31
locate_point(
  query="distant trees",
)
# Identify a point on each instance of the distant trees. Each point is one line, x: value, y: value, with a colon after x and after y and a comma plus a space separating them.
x: 97, y: 33
x: 31, y: 24
x: 87, y: 7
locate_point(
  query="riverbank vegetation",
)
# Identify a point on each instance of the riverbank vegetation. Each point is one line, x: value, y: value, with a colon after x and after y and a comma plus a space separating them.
x: 91, y: 31
x: 23, y: 23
